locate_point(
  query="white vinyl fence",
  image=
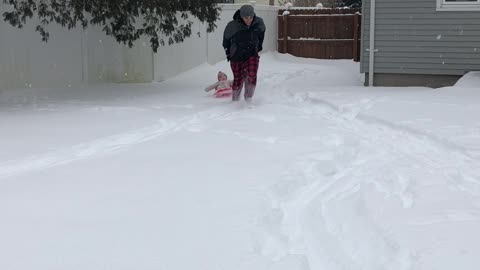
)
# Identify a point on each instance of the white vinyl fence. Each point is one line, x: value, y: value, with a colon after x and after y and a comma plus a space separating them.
x: 78, y: 57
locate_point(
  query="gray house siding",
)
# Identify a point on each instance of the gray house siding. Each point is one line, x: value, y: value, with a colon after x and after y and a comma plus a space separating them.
x: 416, y: 41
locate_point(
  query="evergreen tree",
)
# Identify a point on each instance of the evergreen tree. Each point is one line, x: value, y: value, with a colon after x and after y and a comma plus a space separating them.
x: 353, y: 3
x: 125, y: 20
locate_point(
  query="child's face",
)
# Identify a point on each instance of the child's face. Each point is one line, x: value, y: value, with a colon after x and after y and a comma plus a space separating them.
x: 222, y: 77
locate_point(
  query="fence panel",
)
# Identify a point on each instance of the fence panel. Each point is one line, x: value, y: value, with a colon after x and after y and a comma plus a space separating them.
x: 320, y: 33
x: 80, y: 57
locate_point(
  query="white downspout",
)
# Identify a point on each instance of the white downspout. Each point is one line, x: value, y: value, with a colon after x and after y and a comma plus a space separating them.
x: 372, y: 49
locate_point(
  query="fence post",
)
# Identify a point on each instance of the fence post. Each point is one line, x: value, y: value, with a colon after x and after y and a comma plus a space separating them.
x: 356, y: 25
x: 285, y: 33
x: 84, y: 53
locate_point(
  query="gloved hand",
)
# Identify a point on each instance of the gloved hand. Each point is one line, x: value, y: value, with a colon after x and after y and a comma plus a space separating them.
x: 260, y: 48
x: 228, y: 58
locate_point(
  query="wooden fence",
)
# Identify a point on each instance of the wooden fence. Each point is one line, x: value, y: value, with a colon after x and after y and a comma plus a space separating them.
x: 320, y: 33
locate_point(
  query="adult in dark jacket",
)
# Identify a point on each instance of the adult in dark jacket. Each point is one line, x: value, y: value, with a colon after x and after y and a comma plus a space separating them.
x: 242, y: 40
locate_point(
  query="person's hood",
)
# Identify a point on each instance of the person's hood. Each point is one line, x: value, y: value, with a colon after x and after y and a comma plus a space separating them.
x: 236, y: 16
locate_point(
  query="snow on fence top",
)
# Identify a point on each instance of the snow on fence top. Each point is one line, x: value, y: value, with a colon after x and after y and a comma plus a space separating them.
x: 315, y: 10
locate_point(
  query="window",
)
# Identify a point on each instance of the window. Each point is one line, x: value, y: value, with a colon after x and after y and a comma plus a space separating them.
x: 458, y: 5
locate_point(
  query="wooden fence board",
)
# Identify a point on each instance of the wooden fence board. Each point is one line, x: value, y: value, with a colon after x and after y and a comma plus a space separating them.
x: 320, y: 33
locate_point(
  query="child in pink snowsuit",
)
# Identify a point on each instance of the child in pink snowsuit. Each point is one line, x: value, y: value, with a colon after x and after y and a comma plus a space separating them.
x: 223, y: 87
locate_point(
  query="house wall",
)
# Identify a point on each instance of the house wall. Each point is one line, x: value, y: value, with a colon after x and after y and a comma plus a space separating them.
x: 412, y: 37
x: 79, y: 57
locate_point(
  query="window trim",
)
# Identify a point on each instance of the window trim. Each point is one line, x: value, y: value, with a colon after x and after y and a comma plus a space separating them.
x: 442, y: 5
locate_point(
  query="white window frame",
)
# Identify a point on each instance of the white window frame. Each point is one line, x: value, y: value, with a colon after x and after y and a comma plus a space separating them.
x: 443, y: 5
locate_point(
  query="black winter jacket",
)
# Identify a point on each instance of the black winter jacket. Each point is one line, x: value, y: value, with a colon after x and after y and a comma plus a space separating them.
x: 241, y: 41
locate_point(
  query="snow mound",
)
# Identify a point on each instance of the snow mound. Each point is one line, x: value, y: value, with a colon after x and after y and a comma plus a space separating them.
x: 469, y: 80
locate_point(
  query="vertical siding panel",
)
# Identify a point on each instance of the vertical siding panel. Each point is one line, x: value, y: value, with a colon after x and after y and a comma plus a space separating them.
x: 436, y: 42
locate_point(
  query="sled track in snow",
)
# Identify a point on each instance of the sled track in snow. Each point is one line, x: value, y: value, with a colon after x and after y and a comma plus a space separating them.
x: 384, y: 155
x: 369, y: 119
x: 429, y: 151
x: 110, y: 144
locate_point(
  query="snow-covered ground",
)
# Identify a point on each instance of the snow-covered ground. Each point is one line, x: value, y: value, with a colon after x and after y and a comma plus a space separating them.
x: 321, y: 173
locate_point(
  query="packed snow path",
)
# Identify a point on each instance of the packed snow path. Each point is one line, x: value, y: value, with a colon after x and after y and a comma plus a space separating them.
x: 170, y: 178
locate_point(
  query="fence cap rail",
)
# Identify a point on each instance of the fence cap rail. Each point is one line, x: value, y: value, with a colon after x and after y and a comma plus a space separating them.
x: 310, y: 16
x: 307, y: 10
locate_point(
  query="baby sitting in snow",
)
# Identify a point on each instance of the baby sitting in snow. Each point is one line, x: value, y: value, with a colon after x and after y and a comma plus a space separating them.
x: 223, y: 87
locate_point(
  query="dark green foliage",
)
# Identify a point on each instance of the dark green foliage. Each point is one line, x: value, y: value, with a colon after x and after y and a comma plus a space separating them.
x: 353, y: 3
x: 125, y: 20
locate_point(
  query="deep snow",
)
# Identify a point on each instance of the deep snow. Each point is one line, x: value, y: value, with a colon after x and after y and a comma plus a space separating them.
x: 322, y: 173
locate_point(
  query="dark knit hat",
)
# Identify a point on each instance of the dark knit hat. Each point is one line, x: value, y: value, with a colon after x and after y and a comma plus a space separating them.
x: 247, y: 11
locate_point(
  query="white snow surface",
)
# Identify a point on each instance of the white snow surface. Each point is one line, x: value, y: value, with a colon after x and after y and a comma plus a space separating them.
x: 320, y: 173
